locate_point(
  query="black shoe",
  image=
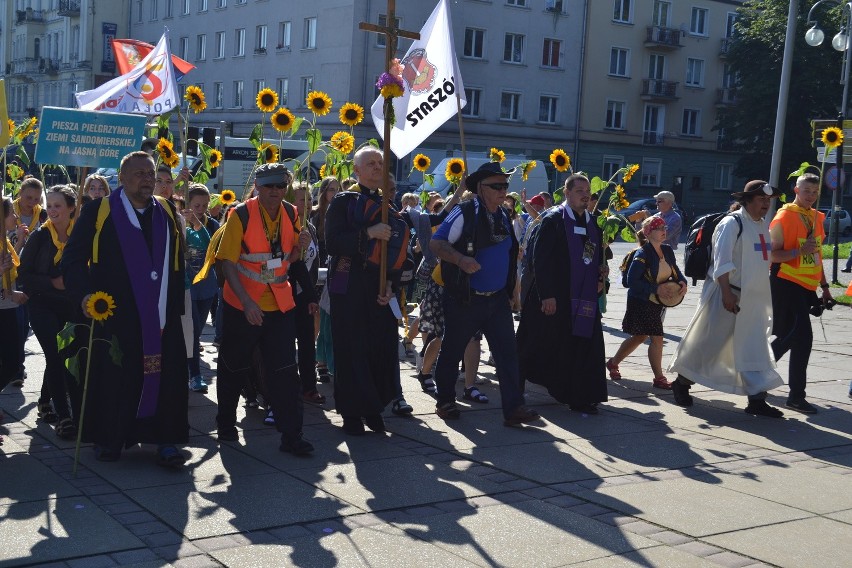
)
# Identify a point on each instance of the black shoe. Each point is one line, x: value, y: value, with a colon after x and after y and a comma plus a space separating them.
x: 401, y: 408
x: 353, y: 426
x: 521, y: 415
x: 448, y: 411
x: 801, y: 405
x: 104, y: 454
x: 169, y: 457
x: 427, y: 383
x: 760, y: 408
x: 297, y: 446
x: 375, y: 422
x: 846, y: 270
x: 228, y: 434
x: 584, y: 408
x: 681, y: 393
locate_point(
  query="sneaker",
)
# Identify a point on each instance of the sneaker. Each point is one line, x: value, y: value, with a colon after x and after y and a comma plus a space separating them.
x: 197, y: 384
x: 521, y: 415
x: 296, y: 446
x: 662, y: 383
x: 761, y: 408
x: 847, y: 270
x: 681, y: 393
x: 401, y: 408
x: 270, y: 419
x: 448, y: 411
x: 802, y: 406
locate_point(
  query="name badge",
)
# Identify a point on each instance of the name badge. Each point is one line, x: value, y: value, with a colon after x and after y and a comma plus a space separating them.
x: 579, y: 230
x: 273, y: 263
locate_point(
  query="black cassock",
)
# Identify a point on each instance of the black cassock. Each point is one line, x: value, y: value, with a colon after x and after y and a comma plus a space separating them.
x: 114, y: 391
x: 572, y: 368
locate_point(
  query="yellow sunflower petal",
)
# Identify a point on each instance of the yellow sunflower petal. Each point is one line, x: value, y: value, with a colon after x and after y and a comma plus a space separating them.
x: 560, y: 160
x: 832, y: 137
x: 227, y: 197
x: 422, y: 162
x: 318, y: 103
x: 351, y: 114
x: 267, y: 100
x: 195, y: 97
x: 100, y: 306
x: 282, y: 119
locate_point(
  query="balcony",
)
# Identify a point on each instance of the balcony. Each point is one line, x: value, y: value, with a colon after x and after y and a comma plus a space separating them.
x: 69, y: 8
x: 653, y: 138
x: 49, y: 66
x: 659, y: 90
x: 260, y: 51
x: 28, y: 66
x: 726, y: 97
x: 29, y: 15
x: 725, y: 47
x: 659, y: 37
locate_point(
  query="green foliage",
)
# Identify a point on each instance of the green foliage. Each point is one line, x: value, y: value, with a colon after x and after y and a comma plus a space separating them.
x: 256, y: 136
x: 297, y: 124
x: 314, y: 138
x: 115, y: 351
x: 628, y: 234
x: 597, y: 184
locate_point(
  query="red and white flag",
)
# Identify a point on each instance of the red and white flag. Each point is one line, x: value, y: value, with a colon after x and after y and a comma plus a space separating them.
x: 149, y: 88
x: 130, y: 52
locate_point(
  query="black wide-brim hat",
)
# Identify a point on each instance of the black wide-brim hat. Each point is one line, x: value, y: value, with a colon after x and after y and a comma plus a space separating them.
x: 757, y: 187
x: 486, y: 170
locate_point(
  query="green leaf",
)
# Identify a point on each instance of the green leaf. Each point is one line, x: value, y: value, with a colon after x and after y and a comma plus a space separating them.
x: 314, y: 138
x: 115, y: 351
x: 628, y: 235
x: 297, y: 124
x: 597, y: 184
x: 559, y: 195
x: 256, y: 136
x: 424, y: 198
x: 802, y: 168
x: 601, y: 221
x: 163, y: 120
x: 201, y: 176
x: 65, y: 337
x: 344, y: 169
x: 374, y: 143
x: 73, y: 366
x: 429, y: 179
x: 783, y: 198
x: 22, y: 155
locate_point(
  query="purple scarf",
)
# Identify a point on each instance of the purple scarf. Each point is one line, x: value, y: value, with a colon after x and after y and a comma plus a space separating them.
x: 584, y: 276
x: 144, y: 269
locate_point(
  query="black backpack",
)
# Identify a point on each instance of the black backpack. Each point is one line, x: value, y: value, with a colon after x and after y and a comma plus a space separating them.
x: 698, y: 254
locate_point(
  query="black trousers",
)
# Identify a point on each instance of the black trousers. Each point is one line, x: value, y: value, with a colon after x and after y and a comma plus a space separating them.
x: 791, y: 325
x: 276, y: 341
x: 307, y: 345
x: 46, y: 323
x: 10, y: 354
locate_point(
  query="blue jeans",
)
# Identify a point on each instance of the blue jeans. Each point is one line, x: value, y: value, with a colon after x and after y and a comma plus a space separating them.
x: 493, y: 316
x: 200, y: 309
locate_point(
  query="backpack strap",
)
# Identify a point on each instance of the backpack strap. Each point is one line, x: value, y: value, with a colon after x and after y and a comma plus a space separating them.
x: 103, y: 213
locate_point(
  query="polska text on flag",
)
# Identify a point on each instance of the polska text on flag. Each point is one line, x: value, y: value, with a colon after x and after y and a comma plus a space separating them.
x: 432, y: 79
x: 149, y: 88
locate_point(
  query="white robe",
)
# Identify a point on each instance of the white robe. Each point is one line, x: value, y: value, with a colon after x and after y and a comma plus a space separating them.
x: 731, y: 353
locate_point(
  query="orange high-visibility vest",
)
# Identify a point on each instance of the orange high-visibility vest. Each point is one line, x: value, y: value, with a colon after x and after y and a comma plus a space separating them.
x: 256, y: 252
x: 806, y: 269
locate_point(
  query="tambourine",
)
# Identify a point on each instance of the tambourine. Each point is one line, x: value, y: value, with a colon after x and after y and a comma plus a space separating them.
x: 670, y: 296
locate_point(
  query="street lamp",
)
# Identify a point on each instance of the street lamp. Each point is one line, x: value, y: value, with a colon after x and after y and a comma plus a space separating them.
x: 840, y: 42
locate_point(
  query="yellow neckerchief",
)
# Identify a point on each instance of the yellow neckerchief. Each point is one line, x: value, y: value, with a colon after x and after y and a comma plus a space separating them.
x: 270, y: 225
x: 54, y: 236
x: 16, y: 205
x: 808, y: 216
x: 11, y: 275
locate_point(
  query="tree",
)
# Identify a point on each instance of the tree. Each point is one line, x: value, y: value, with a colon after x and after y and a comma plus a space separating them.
x: 755, y: 55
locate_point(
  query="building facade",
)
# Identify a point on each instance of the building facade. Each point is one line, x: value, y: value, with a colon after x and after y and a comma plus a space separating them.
x: 51, y: 49
x: 654, y: 76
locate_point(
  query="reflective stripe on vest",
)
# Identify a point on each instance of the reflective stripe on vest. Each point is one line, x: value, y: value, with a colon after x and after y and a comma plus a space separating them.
x: 804, y: 270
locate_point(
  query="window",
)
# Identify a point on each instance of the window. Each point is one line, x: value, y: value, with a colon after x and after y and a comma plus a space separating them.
x: 239, y: 42
x: 698, y: 23
x: 201, y: 48
x: 724, y: 177
x: 611, y: 164
x: 618, y: 59
x: 730, y: 20
x: 183, y: 47
x: 473, y: 96
x: 473, y: 42
x: 220, y: 45
x: 615, y: 114
x: 510, y: 106
x: 238, y: 94
x: 381, y: 39
x: 259, y: 85
x: 691, y: 125
x: 218, y: 95
x: 623, y: 11
x: 310, y: 39
x: 260, y: 39
x: 550, y: 53
x: 695, y: 72
x: 307, y: 85
x: 221, y: 3
x: 154, y: 9
x: 185, y: 10
x: 202, y: 5
x: 238, y: 2
x: 139, y: 11
x: 283, y: 87
x: 657, y: 67
x: 729, y: 77
x: 547, y: 109
x: 653, y: 124
x: 651, y: 168
x: 662, y: 13
x: 516, y: 2
x: 513, y: 48
x: 169, y: 8
x: 284, y: 35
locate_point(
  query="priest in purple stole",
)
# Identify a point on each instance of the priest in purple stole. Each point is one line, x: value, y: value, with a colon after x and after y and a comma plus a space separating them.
x: 129, y: 247
x: 560, y: 339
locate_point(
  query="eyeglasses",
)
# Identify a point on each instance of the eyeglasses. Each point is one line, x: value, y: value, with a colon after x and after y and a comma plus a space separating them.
x: 497, y: 186
x: 277, y: 185
x: 660, y: 201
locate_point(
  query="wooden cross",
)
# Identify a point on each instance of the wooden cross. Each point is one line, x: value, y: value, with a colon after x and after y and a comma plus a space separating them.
x: 391, y: 33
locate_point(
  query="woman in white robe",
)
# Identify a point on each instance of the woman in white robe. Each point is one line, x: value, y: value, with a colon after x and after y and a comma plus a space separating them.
x: 726, y: 346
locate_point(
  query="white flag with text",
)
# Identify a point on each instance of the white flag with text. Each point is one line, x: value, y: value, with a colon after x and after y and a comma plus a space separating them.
x: 431, y: 77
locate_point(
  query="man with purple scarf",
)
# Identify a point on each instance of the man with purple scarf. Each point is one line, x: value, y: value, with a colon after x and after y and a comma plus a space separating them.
x: 560, y: 339
x: 128, y: 245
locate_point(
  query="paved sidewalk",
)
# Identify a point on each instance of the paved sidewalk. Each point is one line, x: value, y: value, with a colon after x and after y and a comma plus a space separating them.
x: 644, y: 483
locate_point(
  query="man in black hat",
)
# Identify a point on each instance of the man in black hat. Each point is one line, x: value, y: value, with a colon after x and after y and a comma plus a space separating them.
x: 478, y: 252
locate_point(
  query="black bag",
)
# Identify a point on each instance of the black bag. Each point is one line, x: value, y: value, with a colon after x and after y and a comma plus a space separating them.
x: 698, y: 254
x: 625, y: 265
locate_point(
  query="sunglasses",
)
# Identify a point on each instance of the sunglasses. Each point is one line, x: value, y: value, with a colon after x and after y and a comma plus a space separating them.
x: 497, y: 186
x: 277, y: 185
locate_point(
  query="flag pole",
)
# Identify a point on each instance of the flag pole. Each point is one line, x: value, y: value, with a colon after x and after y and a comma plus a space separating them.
x: 461, y: 135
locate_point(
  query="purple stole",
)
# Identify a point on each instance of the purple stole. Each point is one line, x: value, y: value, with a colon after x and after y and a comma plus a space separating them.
x: 144, y: 269
x: 584, y: 276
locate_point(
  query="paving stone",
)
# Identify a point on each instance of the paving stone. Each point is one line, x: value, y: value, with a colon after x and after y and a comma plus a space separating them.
x: 670, y: 538
x: 641, y: 527
x: 92, y: 562
x: 520, y: 484
x: 367, y: 520
x: 454, y: 506
x: 152, y: 527
x: 110, y: 499
x: 100, y: 489
x: 564, y: 501
x: 134, y: 556
x: 175, y: 551
x: 540, y: 492
x: 162, y: 539
x: 513, y: 497
x: 424, y: 511
x: 134, y: 517
x: 289, y: 533
x: 589, y: 509
x: 196, y: 562
x: 253, y: 537
x: 730, y: 560
x: 698, y: 548
x: 326, y: 527
x: 615, y: 519
x: 216, y: 543
x: 31, y: 481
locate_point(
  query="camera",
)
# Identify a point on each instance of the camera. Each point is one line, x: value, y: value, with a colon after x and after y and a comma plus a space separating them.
x: 818, y: 306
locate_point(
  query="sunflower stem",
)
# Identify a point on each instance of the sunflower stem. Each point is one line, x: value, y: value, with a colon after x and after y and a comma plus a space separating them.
x: 85, y: 393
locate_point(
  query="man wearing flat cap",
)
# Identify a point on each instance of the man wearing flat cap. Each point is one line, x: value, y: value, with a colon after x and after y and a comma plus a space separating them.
x: 726, y: 346
x: 665, y: 210
x: 478, y: 252
x: 260, y: 242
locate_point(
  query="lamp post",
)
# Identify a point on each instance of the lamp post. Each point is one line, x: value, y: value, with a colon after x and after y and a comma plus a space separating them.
x: 814, y: 37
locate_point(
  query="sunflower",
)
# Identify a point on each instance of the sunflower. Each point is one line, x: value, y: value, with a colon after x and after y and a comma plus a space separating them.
x: 215, y: 158
x: 318, y: 103
x: 227, y: 197
x: 100, y: 306
x: 282, y: 119
x: 832, y: 137
x: 28, y: 129
x: 342, y: 141
x: 323, y: 171
x: 496, y: 155
x: 14, y: 172
x: 391, y: 90
x: 422, y: 163
x: 526, y: 168
x: 269, y: 153
x: 267, y: 100
x: 195, y: 97
x: 351, y: 114
x: 560, y: 160
x: 167, y: 153
x: 11, y: 124
x: 631, y: 170
x: 454, y: 171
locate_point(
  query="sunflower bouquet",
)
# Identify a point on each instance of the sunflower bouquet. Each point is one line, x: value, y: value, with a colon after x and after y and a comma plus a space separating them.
x: 610, y: 219
x: 18, y: 133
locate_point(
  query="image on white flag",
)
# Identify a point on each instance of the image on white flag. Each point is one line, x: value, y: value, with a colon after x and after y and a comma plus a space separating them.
x: 432, y: 80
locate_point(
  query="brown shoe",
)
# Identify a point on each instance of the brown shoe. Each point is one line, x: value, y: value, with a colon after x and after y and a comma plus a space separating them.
x: 662, y: 383
x: 521, y: 415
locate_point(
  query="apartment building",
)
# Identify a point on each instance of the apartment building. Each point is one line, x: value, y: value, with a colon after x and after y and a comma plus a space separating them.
x: 655, y: 74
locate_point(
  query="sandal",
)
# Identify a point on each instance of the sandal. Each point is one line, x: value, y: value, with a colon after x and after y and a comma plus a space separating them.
x: 66, y: 429
x: 46, y: 413
x: 323, y: 375
x: 427, y: 383
x: 472, y: 393
x: 448, y: 411
x: 614, y: 373
x: 270, y: 419
x: 662, y: 383
x: 169, y: 456
x: 314, y: 397
x: 408, y: 345
x: 401, y: 408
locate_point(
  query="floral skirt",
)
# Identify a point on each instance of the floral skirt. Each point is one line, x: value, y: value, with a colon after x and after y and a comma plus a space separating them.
x: 432, y: 309
x: 642, y: 317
